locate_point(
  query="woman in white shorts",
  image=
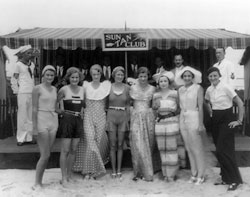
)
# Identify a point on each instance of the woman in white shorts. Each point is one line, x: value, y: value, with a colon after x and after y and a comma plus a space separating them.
x: 45, y: 119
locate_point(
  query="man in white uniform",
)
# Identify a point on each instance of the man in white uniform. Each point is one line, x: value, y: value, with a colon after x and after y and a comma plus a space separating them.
x: 107, y: 70
x: 226, y: 67
x: 24, y: 73
x: 178, y: 62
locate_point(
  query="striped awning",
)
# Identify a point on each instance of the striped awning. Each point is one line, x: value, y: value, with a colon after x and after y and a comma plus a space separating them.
x: 90, y: 38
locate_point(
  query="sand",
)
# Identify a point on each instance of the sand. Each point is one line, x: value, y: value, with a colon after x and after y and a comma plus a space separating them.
x: 18, y: 183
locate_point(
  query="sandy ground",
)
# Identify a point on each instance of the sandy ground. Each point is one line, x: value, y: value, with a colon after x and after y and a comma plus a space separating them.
x: 17, y: 183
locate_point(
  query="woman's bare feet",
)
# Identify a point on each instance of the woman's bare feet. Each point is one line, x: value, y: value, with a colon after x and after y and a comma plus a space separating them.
x: 37, y: 187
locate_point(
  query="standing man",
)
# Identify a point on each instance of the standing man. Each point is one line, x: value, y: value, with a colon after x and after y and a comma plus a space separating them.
x: 24, y: 73
x: 225, y: 66
x: 178, y: 62
x: 159, y: 65
x: 133, y: 67
x: 107, y: 70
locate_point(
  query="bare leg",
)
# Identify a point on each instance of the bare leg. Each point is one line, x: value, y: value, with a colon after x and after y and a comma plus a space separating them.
x: 65, y: 147
x: 113, y: 142
x: 120, y: 150
x: 71, y: 157
x: 43, y: 141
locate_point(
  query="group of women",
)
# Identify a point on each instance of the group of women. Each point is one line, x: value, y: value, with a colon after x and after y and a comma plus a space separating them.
x: 161, y: 122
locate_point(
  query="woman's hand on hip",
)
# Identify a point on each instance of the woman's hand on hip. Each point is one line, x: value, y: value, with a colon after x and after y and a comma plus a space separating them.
x: 234, y: 124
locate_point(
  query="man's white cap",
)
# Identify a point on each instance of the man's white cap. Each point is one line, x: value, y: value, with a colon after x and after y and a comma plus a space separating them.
x: 25, y: 48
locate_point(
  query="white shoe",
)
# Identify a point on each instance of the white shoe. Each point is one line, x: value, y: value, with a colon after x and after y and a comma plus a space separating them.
x: 192, y: 179
x: 200, y: 181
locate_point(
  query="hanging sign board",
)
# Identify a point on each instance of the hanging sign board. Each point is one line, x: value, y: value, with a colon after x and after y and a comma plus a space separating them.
x: 125, y: 41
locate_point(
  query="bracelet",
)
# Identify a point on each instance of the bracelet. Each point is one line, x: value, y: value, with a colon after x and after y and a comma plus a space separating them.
x: 240, y: 122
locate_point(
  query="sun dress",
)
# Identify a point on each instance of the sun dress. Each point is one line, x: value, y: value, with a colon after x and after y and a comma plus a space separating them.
x: 168, y: 136
x: 93, y: 148
x: 142, y: 140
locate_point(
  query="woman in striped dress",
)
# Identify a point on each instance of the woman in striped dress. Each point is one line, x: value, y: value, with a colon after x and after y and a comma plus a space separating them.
x: 93, y: 149
x: 167, y: 133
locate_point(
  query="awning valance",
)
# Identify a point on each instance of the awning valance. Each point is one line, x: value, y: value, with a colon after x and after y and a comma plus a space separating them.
x: 90, y: 38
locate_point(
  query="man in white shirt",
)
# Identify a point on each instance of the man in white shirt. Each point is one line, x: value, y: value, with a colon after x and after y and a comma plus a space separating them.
x: 106, y: 68
x: 225, y: 66
x: 178, y: 62
x: 24, y: 73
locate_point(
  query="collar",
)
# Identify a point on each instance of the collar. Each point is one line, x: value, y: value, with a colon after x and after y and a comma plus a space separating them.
x: 179, y: 68
x: 217, y: 86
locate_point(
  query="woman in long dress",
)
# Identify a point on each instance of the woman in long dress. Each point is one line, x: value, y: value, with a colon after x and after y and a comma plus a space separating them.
x: 191, y: 121
x: 167, y: 131
x: 93, y: 148
x: 45, y: 119
x: 117, y: 119
x: 142, y: 127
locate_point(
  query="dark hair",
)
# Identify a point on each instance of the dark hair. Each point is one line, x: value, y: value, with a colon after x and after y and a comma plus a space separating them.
x: 187, y: 71
x: 143, y: 70
x: 71, y: 71
x: 245, y: 57
x: 223, y: 48
x: 169, y: 81
x: 213, y: 69
x: 178, y: 54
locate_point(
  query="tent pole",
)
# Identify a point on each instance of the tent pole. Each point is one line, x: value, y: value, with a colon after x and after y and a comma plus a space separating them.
x: 126, y: 57
x: 126, y: 65
x: 40, y: 63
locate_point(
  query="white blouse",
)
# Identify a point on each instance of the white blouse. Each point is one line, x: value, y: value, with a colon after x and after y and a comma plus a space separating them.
x: 189, y: 97
x: 220, y: 96
x: 99, y: 93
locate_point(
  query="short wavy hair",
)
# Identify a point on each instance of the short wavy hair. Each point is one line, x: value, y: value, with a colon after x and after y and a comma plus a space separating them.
x: 143, y: 70
x: 71, y: 71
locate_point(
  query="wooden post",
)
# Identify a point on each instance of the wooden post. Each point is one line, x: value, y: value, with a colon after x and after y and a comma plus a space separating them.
x: 126, y: 58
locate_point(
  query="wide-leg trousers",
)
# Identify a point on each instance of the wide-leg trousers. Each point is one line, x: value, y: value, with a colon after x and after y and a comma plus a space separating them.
x: 223, y: 138
x: 24, y: 118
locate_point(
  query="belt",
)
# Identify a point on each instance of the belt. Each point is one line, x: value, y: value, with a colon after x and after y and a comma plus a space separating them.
x: 117, y: 108
x: 73, y: 113
x: 160, y: 117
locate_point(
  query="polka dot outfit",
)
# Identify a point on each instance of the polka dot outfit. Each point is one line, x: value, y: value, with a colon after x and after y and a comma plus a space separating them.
x: 93, y: 148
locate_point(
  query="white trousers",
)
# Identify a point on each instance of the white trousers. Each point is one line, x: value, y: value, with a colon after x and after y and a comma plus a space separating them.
x: 24, y: 118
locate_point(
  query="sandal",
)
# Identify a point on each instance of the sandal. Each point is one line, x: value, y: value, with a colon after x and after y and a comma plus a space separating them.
x: 199, y: 181
x: 136, y: 178
x: 192, y: 179
x: 232, y: 186
x: 113, y: 175
x: 119, y: 175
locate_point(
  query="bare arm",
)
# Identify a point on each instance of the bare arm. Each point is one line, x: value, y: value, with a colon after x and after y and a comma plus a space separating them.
x: 35, y: 98
x: 209, y: 107
x: 156, y: 101
x: 59, y: 105
x: 200, y: 108
x: 238, y: 122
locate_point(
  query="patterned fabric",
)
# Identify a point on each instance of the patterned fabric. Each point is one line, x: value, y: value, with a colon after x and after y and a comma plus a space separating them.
x: 91, y: 38
x: 93, y: 148
x: 168, y: 137
x: 142, y: 139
